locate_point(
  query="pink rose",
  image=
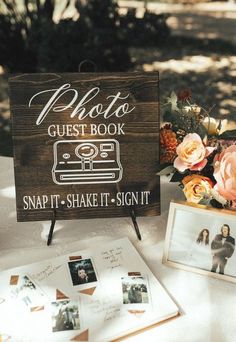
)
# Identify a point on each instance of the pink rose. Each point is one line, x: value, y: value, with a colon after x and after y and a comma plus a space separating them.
x: 192, y: 153
x: 225, y: 173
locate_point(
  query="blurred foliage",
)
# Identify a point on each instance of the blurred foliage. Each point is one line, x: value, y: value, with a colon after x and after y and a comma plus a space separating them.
x: 31, y: 41
x: 184, y: 117
x: 5, y: 138
x: 151, y: 30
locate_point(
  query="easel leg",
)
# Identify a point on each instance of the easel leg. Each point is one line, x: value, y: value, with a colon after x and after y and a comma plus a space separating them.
x: 51, y: 228
x: 136, y: 227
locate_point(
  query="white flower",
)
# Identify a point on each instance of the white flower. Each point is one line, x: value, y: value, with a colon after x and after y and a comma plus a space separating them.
x: 212, y: 125
x: 215, y: 194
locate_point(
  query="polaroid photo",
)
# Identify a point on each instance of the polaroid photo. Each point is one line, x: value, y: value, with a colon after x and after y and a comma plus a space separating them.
x: 82, y: 272
x: 65, y: 315
x: 201, y: 240
x: 135, y: 292
x: 27, y: 293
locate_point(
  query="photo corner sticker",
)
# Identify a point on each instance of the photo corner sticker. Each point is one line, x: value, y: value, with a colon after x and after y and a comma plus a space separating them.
x: 89, y: 291
x: 60, y: 295
x: 83, y: 337
x: 14, y: 279
x: 75, y: 257
x: 136, y: 313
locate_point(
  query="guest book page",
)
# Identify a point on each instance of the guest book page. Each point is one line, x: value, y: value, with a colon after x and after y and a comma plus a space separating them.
x: 97, y: 295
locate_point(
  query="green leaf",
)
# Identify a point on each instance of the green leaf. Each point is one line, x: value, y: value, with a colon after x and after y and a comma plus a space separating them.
x: 219, y: 125
x: 177, y: 177
x: 173, y: 101
x: 202, y: 131
x: 167, y: 170
x: 168, y: 116
x: 231, y: 134
x: 216, y: 204
x: 205, y: 201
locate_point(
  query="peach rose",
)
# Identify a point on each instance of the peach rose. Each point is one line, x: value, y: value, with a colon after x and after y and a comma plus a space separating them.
x: 192, y: 153
x: 196, y: 187
x: 225, y: 173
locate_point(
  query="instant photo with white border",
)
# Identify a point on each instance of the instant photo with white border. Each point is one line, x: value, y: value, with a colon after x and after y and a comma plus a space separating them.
x: 135, y: 291
x: 28, y: 293
x: 65, y: 315
x: 82, y: 272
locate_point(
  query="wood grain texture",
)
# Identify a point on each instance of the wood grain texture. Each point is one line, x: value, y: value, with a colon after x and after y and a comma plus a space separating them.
x: 34, y: 147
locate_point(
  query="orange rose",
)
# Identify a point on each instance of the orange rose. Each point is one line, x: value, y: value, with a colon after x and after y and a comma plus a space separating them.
x: 196, y: 187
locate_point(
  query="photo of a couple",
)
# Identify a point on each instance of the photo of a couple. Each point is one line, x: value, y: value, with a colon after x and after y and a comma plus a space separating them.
x: 222, y: 247
x: 203, y: 240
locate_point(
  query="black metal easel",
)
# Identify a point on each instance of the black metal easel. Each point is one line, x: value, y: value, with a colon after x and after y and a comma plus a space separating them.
x: 51, y: 230
x: 132, y: 215
x: 132, y: 208
x: 135, y: 223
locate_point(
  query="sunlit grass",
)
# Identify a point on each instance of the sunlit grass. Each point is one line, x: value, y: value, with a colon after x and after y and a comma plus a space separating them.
x: 198, y: 64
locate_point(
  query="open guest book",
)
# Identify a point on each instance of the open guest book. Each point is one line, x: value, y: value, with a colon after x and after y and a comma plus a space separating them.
x: 98, y: 294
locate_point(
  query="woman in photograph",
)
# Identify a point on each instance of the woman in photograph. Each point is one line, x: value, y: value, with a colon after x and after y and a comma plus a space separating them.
x: 200, y: 253
x: 83, y: 277
x: 203, y: 237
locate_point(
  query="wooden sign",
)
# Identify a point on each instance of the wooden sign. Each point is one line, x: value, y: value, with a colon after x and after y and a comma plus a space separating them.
x: 85, y: 145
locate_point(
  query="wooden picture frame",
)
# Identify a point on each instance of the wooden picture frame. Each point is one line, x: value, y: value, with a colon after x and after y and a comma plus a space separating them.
x: 198, y: 240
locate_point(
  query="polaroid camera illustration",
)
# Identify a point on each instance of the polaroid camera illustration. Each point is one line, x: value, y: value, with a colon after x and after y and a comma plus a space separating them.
x: 86, y: 162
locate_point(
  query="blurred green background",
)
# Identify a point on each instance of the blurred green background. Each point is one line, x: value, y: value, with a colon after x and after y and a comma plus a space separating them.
x: 192, y: 44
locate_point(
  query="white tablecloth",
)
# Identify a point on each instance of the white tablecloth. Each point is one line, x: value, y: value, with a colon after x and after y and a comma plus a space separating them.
x: 208, y: 306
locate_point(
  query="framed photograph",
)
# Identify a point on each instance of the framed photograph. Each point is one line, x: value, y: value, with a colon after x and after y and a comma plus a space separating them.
x: 65, y: 315
x: 82, y: 272
x: 202, y: 240
x: 135, y: 291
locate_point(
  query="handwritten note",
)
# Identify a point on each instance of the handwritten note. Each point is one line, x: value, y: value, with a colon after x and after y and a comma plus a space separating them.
x: 46, y: 272
x: 113, y: 257
x: 106, y: 308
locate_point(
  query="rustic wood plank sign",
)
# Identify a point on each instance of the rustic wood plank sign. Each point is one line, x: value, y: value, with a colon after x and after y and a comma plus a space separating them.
x: 86, y: 145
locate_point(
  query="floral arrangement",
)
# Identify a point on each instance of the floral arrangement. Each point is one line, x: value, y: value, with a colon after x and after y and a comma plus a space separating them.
x: 198, y: 152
